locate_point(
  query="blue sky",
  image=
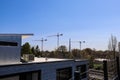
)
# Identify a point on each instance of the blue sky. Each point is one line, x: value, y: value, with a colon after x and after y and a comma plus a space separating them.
x: 91, y: 20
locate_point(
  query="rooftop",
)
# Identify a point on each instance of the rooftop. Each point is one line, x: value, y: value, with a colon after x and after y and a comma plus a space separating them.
x: 41, y: 59
x: 101, y: 59
x: 23, y: 35
x: 28, y: 34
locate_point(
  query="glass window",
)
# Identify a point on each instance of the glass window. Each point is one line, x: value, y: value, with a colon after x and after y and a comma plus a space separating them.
x: 64, y: 73
x: 36, y: 75
x: 10, y: 78
x: 5, y: 43
x: 82, y: 69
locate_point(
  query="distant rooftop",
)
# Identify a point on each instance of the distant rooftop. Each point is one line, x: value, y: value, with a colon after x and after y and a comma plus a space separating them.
x: 101, y: 59
x: 14, y: 34
x: 48, y: 60
x: 28, y: 34
x: 43, y: 59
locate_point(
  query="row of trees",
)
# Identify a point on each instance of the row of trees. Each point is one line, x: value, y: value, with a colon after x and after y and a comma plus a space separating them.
x: 62, y: 52
x: 27, y: 49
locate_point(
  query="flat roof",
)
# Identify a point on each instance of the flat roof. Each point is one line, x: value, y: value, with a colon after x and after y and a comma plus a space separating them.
x: 14, y: 34
x: 41, y: 59
x: 38, y: 60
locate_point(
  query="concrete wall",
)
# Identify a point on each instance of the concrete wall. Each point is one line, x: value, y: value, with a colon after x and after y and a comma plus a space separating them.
x: 10, y: 54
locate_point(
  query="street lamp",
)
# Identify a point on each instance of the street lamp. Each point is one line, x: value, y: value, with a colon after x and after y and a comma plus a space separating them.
x: 57, y: 35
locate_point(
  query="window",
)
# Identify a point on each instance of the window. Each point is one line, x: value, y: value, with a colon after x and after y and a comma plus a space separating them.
x: 64, y: 73
x: 10, y: 78
x: 83, y: 72
x: 36, y: 75
x: 33, y: 75
x: 26, y: 76
x: 4, y: 43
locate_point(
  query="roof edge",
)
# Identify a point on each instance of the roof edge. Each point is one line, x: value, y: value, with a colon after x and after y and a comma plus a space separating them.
x: 16, y: 34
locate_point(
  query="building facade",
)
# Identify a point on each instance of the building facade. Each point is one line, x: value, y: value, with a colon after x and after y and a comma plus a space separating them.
x: 11, y: 67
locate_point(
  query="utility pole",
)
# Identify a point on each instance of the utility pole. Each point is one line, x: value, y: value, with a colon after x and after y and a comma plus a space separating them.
x: 69, y: 45
x: 57, y: 35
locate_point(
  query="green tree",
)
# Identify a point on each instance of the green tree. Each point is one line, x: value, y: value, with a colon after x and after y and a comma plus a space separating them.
x: 91, y: 61
x: 62, y: 48
x: 33, y: 50
x: 86, y: 53
x: 61, y: 52
x: 26, y: 49
x: 90, y: 55
x: 76, y: 53
x: 37, y: 51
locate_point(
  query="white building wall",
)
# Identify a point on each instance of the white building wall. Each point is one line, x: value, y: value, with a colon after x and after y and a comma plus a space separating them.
x: 10, y: 54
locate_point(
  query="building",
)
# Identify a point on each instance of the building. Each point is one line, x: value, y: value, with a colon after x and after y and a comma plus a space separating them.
x: 98, y: 72
x: 11, y: 67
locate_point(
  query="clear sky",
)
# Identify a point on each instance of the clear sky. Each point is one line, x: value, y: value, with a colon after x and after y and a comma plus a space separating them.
x: 90, y: 20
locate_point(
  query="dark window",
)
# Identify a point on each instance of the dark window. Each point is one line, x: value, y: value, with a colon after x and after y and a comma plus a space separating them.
x: 26, y: 76
x: 64, y: 73
x: 77, y: 75
x: 33, y: 75
x: 83, y: 72
x: 36, y: 75
x: 4, y: 43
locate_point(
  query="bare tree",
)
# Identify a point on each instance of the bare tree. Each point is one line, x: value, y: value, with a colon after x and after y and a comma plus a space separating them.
x: 112, y: 45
